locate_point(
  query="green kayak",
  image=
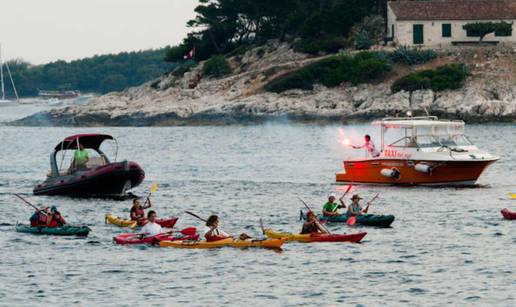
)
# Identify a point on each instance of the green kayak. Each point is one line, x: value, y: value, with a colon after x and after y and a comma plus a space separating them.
x: 55, y: 231
x: 364, y: 219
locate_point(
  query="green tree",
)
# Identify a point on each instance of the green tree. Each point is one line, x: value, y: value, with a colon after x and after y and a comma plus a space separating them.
x: 481, y: 29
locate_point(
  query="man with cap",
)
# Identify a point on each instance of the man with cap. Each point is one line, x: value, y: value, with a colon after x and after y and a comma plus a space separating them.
x: 330, y: 208
x: 354, y: 208
x: 54, y: 218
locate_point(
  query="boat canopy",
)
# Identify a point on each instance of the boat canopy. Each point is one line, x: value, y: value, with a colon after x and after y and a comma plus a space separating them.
x: 427, y: 131
x: 92, y: 141
x: 418, y: 122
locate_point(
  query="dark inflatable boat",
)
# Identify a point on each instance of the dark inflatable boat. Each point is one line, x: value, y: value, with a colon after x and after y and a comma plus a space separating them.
x: 98, y: 177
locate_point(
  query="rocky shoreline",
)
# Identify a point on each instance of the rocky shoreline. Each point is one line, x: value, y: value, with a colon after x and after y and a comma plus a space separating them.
x: 489, y: 95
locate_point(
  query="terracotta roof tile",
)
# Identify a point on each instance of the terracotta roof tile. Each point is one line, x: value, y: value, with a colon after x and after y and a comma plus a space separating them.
x: 454, y: 9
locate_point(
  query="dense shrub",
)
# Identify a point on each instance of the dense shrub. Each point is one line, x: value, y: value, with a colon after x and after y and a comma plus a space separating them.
x: 332, y: 71
x: 361, y: 41
x: 180, y: 70
x: 411, y: 56
x: 217, y: 66
x: 442, y: 78
x: 326, y: 44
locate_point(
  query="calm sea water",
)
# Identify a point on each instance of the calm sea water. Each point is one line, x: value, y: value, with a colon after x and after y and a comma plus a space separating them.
x: 447, y: 245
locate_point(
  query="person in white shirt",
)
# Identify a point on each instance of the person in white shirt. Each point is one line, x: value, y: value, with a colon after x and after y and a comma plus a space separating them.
x: 151, y: 228
x: 369, y: 146
x: 212, y: 231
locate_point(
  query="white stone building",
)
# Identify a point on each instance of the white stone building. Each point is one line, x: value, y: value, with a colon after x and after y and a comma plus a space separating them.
x: 440, y: 22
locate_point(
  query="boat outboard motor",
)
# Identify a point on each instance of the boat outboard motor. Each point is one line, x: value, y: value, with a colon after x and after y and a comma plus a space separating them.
x: 393, y: 173
x: 423, y: 168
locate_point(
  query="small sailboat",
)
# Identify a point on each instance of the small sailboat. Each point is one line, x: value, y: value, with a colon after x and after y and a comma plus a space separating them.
x: 3, y: 100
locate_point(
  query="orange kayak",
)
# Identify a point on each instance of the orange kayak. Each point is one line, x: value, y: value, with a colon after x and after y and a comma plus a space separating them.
x: 230, y: 242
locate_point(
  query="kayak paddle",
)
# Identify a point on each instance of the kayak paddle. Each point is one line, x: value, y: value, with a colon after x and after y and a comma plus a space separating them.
x: 308, y: 207
x: 369, y: 202
x: 28, y: 203
x: 153, y: 188
x: 261, y: 226
x: 195, y: 215
x: 189, y: 231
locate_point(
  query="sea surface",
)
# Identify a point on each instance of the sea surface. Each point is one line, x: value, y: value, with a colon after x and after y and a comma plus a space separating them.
x: 447, y: 246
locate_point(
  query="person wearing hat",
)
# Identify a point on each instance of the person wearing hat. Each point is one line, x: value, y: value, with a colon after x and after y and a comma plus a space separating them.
x: 54, y: 218
x: 312, y: 224
x: 354, y: 208
x: 330, y: 208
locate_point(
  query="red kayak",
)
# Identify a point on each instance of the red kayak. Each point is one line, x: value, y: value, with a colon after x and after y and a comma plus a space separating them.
x: 135, y: 238
x: 508, y: 215
x: 315, y: 237
x: 166, y: 222
x: 354, y: 238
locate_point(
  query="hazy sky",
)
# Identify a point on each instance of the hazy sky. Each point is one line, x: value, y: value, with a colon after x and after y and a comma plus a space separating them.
x: 41, y: 31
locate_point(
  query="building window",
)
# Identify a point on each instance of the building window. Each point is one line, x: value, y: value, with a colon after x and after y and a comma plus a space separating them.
x: 417, y: 34
x: 446, y: 30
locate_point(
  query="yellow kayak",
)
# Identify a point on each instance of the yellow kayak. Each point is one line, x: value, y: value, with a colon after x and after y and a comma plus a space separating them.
x: 287, y: 236
x: 267, y: 243
x: 115, y: 220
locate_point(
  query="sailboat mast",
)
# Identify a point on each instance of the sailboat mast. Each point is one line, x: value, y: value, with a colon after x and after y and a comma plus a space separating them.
x: 2, y: 73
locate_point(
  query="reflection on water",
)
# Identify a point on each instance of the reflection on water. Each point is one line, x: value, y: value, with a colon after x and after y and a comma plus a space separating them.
x: 447, y: 245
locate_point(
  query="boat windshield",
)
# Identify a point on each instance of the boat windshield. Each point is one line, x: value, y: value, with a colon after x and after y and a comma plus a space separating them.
x: 67, y: 164
x: 427, y: 136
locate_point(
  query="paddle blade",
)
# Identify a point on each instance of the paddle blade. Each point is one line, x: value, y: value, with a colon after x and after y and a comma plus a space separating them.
x: 351, y: 221
x: 261, y: 226
x: 154, y: 187
x: 348, y: 189
x: 190, y: 231
x: 512, y: 195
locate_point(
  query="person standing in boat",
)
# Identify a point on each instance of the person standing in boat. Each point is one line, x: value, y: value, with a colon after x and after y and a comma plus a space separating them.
x: 80, y: 158
x: 369, y: 146
x: 137, y: 210
x: 330, y: 208
x: 312, y: 225
x: 354, y: 208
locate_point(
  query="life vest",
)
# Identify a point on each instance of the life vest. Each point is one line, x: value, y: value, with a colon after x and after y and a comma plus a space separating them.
x: 57, y: 220
x: 38, y: 219
x: 138, y: 212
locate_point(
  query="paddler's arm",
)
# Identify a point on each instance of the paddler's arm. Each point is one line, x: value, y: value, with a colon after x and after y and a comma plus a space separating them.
x: 342, y: 204
x: 321, y: 229
x: 149, y: 205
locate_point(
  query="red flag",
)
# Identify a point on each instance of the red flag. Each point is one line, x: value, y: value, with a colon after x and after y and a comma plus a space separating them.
x: 190, y: 55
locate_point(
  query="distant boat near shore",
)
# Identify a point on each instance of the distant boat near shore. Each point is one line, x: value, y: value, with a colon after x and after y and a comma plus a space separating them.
x: 3, y: 100
x: 58, y: 94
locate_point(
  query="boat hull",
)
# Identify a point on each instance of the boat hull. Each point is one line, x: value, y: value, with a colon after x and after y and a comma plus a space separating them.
x: 112, y: 181
x: 457, y: 173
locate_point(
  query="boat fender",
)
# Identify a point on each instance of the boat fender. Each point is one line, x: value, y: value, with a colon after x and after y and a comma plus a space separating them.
x: 391, y: 173
x: 423, y: 168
